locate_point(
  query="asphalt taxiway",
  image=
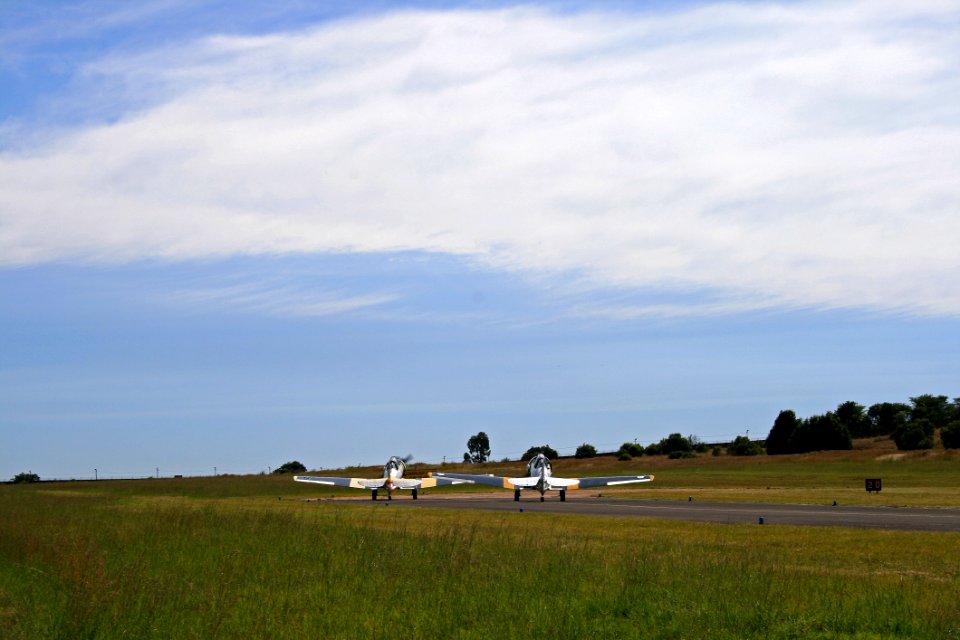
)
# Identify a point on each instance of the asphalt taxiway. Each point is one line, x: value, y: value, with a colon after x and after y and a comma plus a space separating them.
x: 902, y: 518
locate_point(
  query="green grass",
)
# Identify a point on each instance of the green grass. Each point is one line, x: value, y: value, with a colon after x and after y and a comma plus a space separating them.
x: 223, y: 558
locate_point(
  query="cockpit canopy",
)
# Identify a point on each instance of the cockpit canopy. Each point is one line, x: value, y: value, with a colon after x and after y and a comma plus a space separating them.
x: 537, y: 463
x: 394, y: 468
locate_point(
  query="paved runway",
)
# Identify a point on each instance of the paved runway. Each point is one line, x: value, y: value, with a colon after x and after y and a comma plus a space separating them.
x: 911, y: 519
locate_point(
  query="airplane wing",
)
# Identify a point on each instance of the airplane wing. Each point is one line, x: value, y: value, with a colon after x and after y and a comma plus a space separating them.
x: 444, y: 482
x: 353, y: 483
x: 562, y: 483
x: 427, y: 483
x: 378, y: 483
x: 523, y: 483
x: 607, y: 481
x: 493, y: 481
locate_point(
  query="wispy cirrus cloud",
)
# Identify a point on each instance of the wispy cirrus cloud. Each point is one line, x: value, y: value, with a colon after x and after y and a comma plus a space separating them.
x: 797, y: 155
x: 272, y: 300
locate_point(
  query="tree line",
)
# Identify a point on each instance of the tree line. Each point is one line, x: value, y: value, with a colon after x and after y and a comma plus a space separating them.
x: 911, y: 426
x: 673, y: 446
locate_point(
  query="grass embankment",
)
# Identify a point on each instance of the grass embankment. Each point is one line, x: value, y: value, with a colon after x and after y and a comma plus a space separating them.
x: 191, y: 558
x: 916, y: 479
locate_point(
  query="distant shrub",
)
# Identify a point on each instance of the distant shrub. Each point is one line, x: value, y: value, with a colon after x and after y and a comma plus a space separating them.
x: 290, y: 467
x: 585, y: 451
x: 546, y: 450
x: 652, y: 449
x: 632, y: 449
x: 717, y: 451
x: 22, y: 478
x: 744, y: 446
x: 676, y: 455
x: 697, y: 444
x: 675, y: 442
x: 624, y: 456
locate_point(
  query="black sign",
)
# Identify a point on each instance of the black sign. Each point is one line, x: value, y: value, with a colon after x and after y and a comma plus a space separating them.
x: 873, y: 484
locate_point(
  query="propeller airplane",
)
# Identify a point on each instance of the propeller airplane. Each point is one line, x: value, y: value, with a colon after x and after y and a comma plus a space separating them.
x: 391, y: 480
x: 540, y: 478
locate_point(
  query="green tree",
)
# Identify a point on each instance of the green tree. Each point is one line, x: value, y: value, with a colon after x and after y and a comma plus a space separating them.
x: 802, y: 439
x: 913, y: 435
x: 290, y: 467
x: 675, y: 442
x: 950, y: 435
x: 478, y: 448
x: 23, y: 478
x: 820, y: 433
x: 778, y: 440
x: 585, y: 451
x: 936, y: 409
x: 887, y: 417
x: 854, y: 417
x: 546, y: 450
x: 830, y: 434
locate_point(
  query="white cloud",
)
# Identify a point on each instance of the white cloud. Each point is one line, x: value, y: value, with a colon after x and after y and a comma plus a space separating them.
x: 773, y: 155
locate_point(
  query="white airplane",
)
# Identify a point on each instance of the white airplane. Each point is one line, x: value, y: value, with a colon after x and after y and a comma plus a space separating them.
x: 392, y: 479
x: 540, y: 477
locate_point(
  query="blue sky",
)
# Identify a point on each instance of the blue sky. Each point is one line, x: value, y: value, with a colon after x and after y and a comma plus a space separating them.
x: 232, y: 237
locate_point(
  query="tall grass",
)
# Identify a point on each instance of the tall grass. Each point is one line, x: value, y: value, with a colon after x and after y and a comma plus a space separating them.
x: 102, y: 566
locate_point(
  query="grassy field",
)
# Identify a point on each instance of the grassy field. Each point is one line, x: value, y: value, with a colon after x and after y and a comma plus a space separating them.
x: 223, y: 557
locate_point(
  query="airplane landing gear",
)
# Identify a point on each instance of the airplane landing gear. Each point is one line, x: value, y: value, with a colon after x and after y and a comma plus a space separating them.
x: 541, y: 497
x: 563, y: 495
x: 516, y: 495
x: 414, y: 494
x: 373, y: 494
